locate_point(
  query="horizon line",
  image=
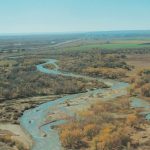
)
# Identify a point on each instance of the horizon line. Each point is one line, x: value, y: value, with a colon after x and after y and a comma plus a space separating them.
x: 68, y: 32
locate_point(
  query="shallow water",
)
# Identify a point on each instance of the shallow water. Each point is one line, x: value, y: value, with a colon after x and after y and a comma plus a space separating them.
x: 32, y: 119
x: 139, y: 103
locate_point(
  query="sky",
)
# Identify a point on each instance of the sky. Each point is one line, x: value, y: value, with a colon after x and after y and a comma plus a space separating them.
x: 31, y: 16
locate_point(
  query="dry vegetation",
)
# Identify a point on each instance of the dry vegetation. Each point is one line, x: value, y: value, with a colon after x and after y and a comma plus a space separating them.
x: 21, y: 79
x: 140, y: 83
x: 96, y: 64
x: 49, y: 66
x: 110, y: 73
x: 104, y: 126
x: 8, y: 143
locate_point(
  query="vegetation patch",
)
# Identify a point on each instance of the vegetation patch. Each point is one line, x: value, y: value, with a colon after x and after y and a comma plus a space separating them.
x: 141, y: 83
x: 105, y: 125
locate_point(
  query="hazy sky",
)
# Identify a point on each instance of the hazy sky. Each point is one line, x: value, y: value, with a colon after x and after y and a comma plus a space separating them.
x: 27, y: 16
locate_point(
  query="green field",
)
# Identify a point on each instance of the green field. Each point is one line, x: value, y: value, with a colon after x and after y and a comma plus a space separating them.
x: 111, y: 46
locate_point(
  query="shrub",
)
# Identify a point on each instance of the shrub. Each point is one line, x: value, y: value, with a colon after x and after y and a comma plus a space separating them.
x: 146, y: 90
x: 72, y: 138
x: 110, y: 138
x: 90, y: 130
x: 131, y: 119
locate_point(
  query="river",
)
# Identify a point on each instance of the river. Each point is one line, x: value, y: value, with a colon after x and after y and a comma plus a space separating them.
x: 33, y: 120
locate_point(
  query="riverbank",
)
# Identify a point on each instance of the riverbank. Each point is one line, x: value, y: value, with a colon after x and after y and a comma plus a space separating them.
x: 10, y: 111
x: 54, y: 113
x: 17, y: 134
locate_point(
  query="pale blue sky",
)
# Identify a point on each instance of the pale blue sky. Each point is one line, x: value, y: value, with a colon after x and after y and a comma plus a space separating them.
x: 28, y: 16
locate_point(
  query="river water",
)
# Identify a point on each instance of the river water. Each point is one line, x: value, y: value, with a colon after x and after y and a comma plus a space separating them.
x: 45, y: 137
